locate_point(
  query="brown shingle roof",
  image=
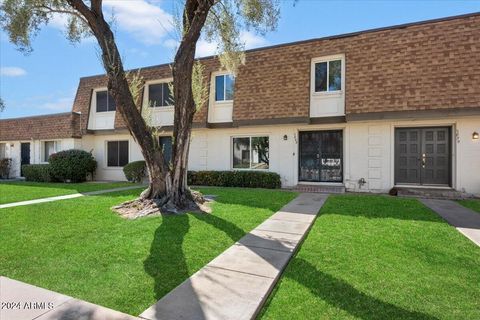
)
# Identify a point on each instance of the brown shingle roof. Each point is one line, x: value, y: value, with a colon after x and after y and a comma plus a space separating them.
x: 52, y: 126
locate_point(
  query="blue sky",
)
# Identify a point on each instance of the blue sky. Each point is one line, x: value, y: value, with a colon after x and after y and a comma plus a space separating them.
x: 45, y: 81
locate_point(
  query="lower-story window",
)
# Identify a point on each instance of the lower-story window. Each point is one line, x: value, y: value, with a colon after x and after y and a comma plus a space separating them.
x: 49, y: 148
x: 250, y: 153
x: 117, y: 153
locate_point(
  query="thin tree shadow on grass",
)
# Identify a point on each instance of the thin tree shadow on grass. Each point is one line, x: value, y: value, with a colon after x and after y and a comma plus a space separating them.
x: 166, y: 262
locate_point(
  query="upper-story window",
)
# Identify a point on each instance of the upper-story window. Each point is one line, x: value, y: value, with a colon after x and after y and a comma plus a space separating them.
x: 105, y: 101
x: 328, y: 76
x: 224, y: 87
x: 160, y: 95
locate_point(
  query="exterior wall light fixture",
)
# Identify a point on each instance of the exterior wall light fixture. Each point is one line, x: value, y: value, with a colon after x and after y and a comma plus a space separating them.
x: 475, y: 136
x: 285, y: 137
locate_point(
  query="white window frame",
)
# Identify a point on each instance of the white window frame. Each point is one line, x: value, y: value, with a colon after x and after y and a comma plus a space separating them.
x: 57, y: 146
x: 218, y: 74
x: 146, y: 94
x: 250, y: 147
x: 94, y: 101
x: 106, y: 153
x: 327, y: 59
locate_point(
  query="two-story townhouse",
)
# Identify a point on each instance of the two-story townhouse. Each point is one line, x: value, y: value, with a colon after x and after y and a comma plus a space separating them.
x: 366, y: 111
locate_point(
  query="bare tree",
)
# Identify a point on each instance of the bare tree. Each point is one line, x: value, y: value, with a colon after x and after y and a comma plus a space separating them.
x: 220, y: 21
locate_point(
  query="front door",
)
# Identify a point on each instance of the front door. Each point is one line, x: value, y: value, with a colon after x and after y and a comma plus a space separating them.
x: 24, y: 155
x: 422, y: 156
x: 321, y: 156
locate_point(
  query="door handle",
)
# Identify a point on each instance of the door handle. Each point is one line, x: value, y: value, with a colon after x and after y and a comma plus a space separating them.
x: 424, y: 160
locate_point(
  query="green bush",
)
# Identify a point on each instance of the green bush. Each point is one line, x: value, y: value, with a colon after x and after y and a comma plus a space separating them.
x: 245, y: 179
x: 72, y: 165
x: 37, y: 172
x: 135, y: 171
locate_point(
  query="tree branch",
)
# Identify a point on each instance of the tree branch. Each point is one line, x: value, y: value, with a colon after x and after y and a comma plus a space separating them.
x: 96, y: 7
x: 81, y: 7
x: 61, y: 11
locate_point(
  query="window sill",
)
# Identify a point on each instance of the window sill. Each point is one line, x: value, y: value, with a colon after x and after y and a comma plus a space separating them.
x: 163, y: 108
x: 327, y: 94
x: 222, y: 102
x: 105, y: 112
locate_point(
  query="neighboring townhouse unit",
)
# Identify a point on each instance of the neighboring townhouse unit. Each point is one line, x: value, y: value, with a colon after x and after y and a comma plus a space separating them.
x: 368, y: 111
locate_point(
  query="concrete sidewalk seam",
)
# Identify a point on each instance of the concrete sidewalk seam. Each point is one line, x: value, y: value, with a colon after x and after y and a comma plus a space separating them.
x: 243, y: 272
x: 292, y: 233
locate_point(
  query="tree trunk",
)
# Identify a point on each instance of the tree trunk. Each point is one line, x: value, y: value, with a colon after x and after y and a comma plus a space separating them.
x: 194, y: 17
x: 118, y: 87
x: 169, y: 186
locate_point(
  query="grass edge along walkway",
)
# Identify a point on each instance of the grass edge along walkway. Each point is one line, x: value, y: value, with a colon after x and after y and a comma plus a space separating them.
x: 80, y: 248
x: 16, y: 191
x: 68, y: 196
x: 234, y: 285
x: 379, y: 257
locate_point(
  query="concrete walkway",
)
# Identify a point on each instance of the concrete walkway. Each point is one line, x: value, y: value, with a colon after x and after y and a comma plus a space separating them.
x: 68, y: 196
x: 21, y: 301
x: 236, y: 283
x: 463, y: 219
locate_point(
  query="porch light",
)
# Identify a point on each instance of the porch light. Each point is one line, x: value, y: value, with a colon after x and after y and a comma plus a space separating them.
x: 475, y: 136
x: 285, y: 137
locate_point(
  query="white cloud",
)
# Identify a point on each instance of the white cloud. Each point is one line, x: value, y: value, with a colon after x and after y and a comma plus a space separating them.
x: 145, y: 20
x: 12, y: 71
x: 205, y: 48
x: 58, y: 105
x: 250, y: 39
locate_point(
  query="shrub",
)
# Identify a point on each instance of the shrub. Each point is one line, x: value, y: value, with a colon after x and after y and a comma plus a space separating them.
x: 72, y: 165
x: 5, y: 165
x: 135, y: 171
x: 246, y: 179
x: 37, y: 172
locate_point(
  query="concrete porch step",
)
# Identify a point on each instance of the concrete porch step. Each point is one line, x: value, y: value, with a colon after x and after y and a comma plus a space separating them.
x: 314, y: 188
x: 432, y: 193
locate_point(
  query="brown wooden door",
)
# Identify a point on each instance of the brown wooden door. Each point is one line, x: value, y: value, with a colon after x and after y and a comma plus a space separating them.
x: 422, y: 156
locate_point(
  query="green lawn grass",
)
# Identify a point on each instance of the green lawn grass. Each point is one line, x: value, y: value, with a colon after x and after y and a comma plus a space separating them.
x: 79, y: 247
x: 379, y: 257
x: 473, y: 204
x: 21, y: 191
